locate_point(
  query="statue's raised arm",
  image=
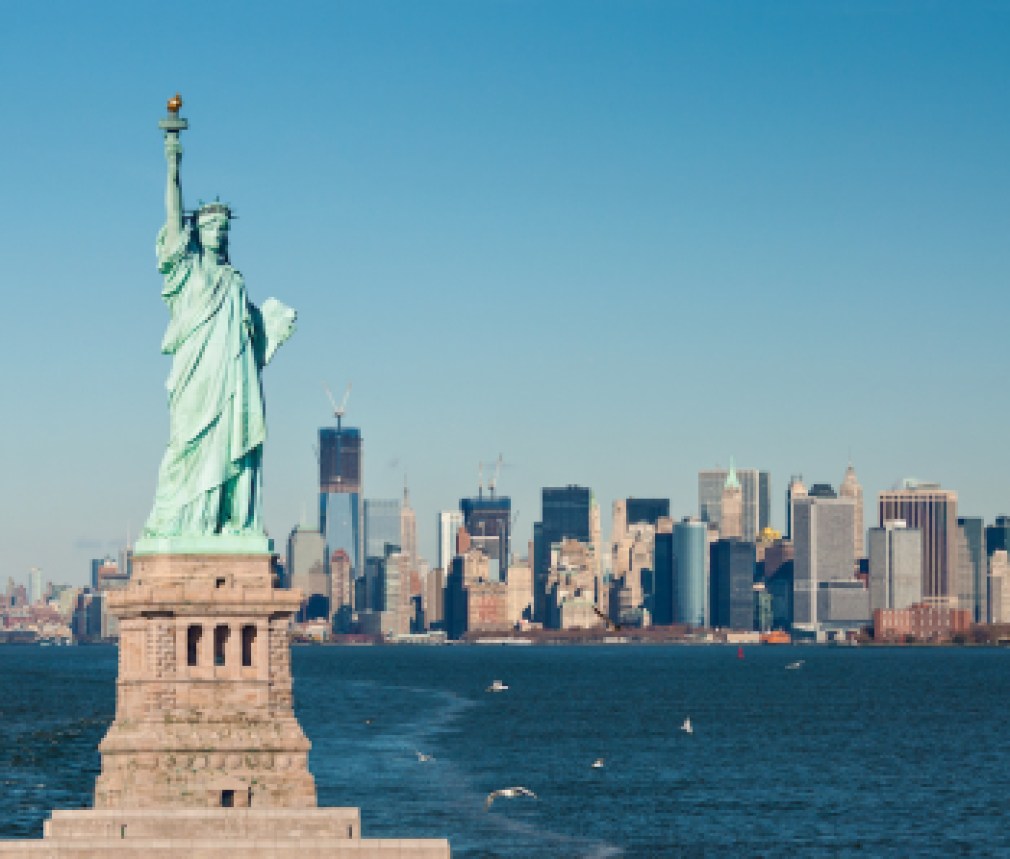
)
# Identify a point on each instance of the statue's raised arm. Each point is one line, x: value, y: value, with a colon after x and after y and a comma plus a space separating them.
x: 172, y: 125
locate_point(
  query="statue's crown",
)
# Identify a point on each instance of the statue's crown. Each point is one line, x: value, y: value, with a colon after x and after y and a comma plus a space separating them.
x: 215, y: 208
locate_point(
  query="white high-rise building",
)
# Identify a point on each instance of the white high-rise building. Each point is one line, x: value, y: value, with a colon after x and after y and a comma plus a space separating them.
x: 895, y: 566
x: 34, y: 585
x: 449, y: 523
x: 999, y: 587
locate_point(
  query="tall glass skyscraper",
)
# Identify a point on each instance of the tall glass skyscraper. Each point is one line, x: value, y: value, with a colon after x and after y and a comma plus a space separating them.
x: 340, y: 482
x: 690, y: 552
x: 382, y: 526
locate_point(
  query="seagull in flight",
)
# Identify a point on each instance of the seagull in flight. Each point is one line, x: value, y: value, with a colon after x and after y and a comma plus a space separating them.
x: 508, y: 793
x: 422, y: 758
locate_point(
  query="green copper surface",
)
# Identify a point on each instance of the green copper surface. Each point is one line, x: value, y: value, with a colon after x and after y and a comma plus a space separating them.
x: 209, y: 483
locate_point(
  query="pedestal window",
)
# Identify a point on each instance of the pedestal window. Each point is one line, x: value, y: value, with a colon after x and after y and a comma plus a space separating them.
x: 221, y: 634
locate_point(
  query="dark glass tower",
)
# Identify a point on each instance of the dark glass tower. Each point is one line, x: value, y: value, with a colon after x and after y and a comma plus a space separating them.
x: 731, y: 580
x: 646, y: 511
x: 565, y: 512
x: 488, y: 521
x: 340, y: 481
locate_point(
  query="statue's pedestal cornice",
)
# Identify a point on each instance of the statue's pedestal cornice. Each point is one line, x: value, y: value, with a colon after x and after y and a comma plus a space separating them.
x: 210, y: 544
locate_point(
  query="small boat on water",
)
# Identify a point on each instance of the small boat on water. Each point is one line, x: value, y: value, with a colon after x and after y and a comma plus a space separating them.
x: 597, y: 764
x: 497, y: 686
x: 687, y: 727
x: 792, y: 666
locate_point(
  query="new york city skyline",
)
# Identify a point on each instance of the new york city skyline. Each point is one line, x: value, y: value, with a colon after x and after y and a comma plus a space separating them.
x: 615, y: 243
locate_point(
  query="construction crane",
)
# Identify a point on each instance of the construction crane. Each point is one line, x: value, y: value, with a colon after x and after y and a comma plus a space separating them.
x: 338, y: 411
x: 499, y: 464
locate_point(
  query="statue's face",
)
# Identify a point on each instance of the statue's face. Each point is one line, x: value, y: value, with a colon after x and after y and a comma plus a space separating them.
x: 214, y: 232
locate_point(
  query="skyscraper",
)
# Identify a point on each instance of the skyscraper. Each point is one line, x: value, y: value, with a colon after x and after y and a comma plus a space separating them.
x: 755, y: 487
x: 795, y: 490
x: 972, y: 560
x: 895, y: 566
x: 690, y: 553
x: 934, y: 512
x: 307, y: 570
x: 449, y: 523
x: 566, y: 512
x: 731, y: 584
x: 850, y: 488
x: 382, y: 526
x: 408, y: 532
x: 731, y: 507
x: 340, y: 487
x: 488, y: 521
x: 663, y: 599
x: 822, y: 536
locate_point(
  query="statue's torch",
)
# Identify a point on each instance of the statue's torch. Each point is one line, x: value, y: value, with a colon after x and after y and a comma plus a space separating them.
x: 172, y: 124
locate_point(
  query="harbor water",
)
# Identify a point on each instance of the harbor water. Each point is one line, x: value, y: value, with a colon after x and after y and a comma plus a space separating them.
x: 851, y: 751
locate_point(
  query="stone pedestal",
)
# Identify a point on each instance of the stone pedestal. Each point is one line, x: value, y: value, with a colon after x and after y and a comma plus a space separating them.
x: 204, y: 716
x: 205, y: 757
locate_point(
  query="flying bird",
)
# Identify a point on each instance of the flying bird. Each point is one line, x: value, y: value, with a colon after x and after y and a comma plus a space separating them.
x: 508, y: 793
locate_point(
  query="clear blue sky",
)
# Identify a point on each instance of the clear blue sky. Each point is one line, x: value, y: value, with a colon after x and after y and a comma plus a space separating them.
x: 614, y: 241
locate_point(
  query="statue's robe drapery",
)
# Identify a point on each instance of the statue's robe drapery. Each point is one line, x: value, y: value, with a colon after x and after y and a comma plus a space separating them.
x: 209, y: 481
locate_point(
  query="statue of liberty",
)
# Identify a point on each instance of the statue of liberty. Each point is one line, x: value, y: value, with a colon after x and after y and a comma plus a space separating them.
x: 210, y: 480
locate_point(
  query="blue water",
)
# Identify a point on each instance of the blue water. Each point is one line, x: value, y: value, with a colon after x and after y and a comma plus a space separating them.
x: 861, y: 752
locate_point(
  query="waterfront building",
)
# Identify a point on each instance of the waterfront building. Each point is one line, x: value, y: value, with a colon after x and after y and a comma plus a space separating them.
x: 340, y: 492
x: 972, y: 561
x: 755, y: 488
x: 487, y: 605
x: 895, y: 566
x: 851, y: 488
x: 921, y: 622
x: 731, y: 584
x: 691, y: 570
x: 999, y: 587
x: 934, y: 512
x: 824, y: 556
